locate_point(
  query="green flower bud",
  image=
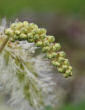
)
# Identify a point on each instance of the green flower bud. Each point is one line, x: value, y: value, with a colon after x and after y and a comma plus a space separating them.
x: 46, y: 43
x: 56, y: 47
x: 54, y: 54
x: 70, y: 68
x: 25, y: 23
x: 68, y: 72
x: 62, y: 54
x: 17, y: 32
x: 45, y: 49
x: 43, y: 36
x: 55, y: 63
x: 9, y: 32
x: 30, y: 36
x: 30, y: 40
x: 42, y: 31
x: 61, y: 70
x: 66, y: 62
x: 13, y: 26
x: 71, y: 74
x: 66, y: 75
x: 19, y: 25
x: 65, y: 67
x: 36, y: 37
x: 49, y: 55
x: 33, y: 26
x: 23, y: 36
x: 24, y: 30
x: 16, y: 37
x: 61, y: 59
x: 34, y: 32
x: 51, y: 38
x: 39, y: 43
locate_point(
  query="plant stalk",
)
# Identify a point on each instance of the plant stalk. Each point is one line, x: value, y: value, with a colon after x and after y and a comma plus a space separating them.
x: 4, y: 44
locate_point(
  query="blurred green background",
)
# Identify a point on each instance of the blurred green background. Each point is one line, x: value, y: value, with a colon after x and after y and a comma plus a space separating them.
x: 65, y: 19
x: 10, y: 7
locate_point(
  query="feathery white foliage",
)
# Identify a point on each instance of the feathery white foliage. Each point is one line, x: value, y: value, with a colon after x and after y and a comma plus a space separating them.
x: 25, y: 75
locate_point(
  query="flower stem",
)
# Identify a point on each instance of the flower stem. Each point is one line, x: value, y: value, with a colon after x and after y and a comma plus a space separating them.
x: 4, y: 44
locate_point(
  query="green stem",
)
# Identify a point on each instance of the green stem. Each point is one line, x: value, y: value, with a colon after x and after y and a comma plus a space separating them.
x: 4, y: 44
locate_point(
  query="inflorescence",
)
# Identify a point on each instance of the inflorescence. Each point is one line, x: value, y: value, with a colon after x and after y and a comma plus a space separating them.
x: 31, y: 33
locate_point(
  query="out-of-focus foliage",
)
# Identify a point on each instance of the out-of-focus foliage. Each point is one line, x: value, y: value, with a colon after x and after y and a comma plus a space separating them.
x: 48, y: 108
x: 11, y: 7
x: 80, y: 106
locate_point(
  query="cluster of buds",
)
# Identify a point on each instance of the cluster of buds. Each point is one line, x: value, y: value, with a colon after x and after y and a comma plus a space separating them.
x: 31, y: 33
